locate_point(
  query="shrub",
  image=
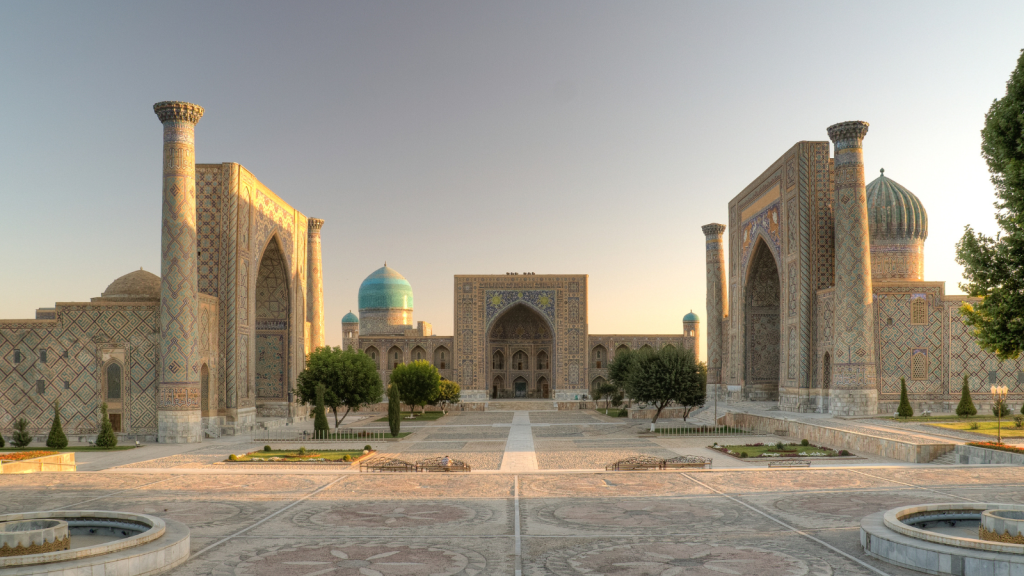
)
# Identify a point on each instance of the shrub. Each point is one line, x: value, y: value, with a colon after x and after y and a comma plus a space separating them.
x: 367, y: 447
x: 302, y: 450
x: 743, y: 454
x: 805, y: 442
x: 56, y: 439
x: 106, y: 437
x: 780, y: 445
x: 320, y: 426
x: 266, y: 448
x: 974, y: 426
x: 233, y: 458
x: 905, y: 410
x: 21, y: 437
x: 844, y: 452
x: 2, y: 441
x: 1000, y: 409
x: 347, y: 458
x: 966, y: 407
x: 1018, y: 421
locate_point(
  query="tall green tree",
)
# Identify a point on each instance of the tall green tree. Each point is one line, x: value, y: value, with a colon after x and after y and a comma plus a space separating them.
x: 670, y: 375
x: 349, y: 377
x: 321, y: 428
x: 56, y: 439
x: 992, y: 265
x: 106, y: 437
x: 2, y: 441
x: 905, y: 410
x: 22, y: 437
x: 606, y: 391
x: 965, y: 408
x: 418, y: 382
x: 620, y: 368
x: 394, y: 409
x: 448, y: 394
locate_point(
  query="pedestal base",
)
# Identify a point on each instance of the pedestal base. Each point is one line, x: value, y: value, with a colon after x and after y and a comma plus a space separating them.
x: 179, y: 426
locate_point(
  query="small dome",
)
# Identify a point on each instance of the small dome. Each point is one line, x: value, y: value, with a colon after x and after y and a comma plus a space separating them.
x: 383, y: 289
x: 135, y: 286
x: 894, y: 213
x: 691, y: 317
x: 350, y: 318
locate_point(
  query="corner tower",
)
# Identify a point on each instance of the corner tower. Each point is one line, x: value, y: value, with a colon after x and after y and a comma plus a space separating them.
x: 178, y: 392
x: 715, y: 259
x: 315, y: 286
x: 853, y: 389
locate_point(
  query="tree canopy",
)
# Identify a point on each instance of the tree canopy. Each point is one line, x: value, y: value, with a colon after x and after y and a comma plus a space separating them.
x: 349, y: 377
x: 418, y: 382
x: 663, y: 377
x: 994, y: 266
x: 448, y: 393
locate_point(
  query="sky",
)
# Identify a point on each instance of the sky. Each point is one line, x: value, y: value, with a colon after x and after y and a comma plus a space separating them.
x: 556, y: 137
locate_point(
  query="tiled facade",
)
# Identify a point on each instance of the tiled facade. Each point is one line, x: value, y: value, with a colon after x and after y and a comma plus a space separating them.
x: 223, y: 340
x: 805, y: 321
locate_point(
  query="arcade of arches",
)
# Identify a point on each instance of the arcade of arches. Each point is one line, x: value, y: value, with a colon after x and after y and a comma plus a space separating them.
x: 520, y: 344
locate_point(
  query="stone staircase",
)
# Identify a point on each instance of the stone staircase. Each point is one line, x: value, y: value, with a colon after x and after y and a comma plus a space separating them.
x: 949, y: 458
x: 512, y: 405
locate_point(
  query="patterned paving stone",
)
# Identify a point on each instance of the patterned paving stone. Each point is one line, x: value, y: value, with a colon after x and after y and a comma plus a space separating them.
x: 617, y: 484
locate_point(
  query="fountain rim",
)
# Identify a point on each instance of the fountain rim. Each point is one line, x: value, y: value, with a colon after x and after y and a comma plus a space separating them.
x: 157, y: 527
x: 894, y: 520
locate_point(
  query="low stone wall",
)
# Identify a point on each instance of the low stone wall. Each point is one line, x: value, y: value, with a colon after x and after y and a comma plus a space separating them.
x: 383, y: 407
x: 975, y: 455
x: 648, y: 413
x: 836, y: 438
x: 61, y: 462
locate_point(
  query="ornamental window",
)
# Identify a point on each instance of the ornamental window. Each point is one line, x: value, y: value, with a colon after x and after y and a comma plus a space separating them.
x: 43, y: 355
x: 114, y: 381
x: 918, y: 310
x: 918, y: 364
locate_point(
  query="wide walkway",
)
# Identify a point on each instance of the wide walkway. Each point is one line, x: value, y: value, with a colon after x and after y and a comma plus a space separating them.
x: 520, y: 455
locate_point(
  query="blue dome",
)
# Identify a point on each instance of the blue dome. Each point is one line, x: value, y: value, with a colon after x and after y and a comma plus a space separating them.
x: 349, y: 318
x: 894, y: 213
x: 383, y: 289
x: 691, y: 317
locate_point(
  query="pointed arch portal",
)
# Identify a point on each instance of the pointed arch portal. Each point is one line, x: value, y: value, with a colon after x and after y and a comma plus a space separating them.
x: 763, y: 293
x: 520, y: 345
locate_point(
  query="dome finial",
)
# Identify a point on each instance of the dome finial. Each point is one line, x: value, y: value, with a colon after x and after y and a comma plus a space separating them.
x: 882, y: 170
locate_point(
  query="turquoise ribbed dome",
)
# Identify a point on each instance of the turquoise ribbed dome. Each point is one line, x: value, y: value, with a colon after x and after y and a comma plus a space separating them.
x: 349, y: 318
x: 691, y: 317
x: 894, y: 213
x: 385, y: 288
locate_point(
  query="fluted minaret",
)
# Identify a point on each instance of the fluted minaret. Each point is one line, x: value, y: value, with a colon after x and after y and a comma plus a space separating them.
x: 715, y: 258
x: 853, y: 390
x: 178, y: 393
x: 315, y: 287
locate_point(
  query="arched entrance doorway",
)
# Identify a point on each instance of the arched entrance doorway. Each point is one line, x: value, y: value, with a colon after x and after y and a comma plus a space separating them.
x: 273, y: 313
x: 763, y: 328
x: 520, y: 345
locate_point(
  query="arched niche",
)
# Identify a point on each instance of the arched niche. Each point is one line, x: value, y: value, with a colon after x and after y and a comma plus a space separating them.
x: 763, y: 324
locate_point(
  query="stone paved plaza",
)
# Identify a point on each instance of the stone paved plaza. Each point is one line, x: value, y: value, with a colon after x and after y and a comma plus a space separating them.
x: 549, y: 511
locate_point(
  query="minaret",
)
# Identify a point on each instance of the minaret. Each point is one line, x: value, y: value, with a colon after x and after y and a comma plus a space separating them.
x: 178, y: 392
x: 315, y: 287
x: 716, y: 302
x: 853, y: 391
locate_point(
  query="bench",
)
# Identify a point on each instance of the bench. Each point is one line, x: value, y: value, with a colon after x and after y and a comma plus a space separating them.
x: 687, y: 462
x: 386, y: 465
x: 439, y: 465
x: 636, y: 463
x: 792, y: 463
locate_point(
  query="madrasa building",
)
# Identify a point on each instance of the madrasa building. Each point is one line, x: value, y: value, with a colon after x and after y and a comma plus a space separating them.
x: 523, y: 336
x: 205, y: 348
x: 822, y: 304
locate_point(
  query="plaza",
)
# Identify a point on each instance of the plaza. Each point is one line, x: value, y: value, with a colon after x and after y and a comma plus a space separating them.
x: 538, y: 501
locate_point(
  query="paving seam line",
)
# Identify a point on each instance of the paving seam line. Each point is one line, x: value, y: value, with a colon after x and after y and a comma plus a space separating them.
x: 69, y: 506
x: 781, y: 523
x: 286, y: 508
x: 519, y: 536
x: 914, y: 486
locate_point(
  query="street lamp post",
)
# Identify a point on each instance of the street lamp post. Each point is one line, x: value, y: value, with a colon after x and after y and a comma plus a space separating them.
x: 999, y: 393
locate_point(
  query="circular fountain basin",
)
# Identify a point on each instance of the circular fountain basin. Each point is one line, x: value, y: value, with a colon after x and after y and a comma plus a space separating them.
x: 1002, y: 526
x: 103, y: 542
x: 940, y: 539
x: 23, y: 537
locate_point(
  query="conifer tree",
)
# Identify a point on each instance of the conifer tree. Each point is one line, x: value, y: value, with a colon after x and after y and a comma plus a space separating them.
x: 905, y: 410
x: 2, y: 441
x: 321, y: 428
x: 966, y: 407
x: 22, y: 437
x: 394, y: 410
x: 57, y: 439
x: 106, y: 438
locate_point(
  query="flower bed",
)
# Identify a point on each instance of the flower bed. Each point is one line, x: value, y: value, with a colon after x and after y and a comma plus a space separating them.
x: 762, y: 450
x: 12, y: 456
x: 292, y: 456
x: 994, y: 446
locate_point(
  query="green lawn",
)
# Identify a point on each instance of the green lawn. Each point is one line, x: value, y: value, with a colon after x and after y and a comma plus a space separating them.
x: 987, y: 428
x: 420, y: 417
x: 944, y: 418
x: 69, y: 448
x: 294, y: 456
x: 613, y: 412
x: 788, y: 451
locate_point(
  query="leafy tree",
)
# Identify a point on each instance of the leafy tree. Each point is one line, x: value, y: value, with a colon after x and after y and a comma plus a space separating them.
x: 606, y: 391
x: 418, y: 383
x: 992, y: 264
x: 905, y: 410
x: 57, y: 439
x: 394, y: 410
x: 667, y: 376
x: 321, y: 428
x: 1001, y: 409
x: 349, y: 377
x: 966, y: 407
x: 21, y: 437
x: 448, y: 393
x: 2, y: 441
x: 106, y: 437
x: 620, y: 368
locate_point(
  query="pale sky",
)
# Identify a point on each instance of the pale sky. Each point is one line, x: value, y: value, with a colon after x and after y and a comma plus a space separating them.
x: 479, y: 138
